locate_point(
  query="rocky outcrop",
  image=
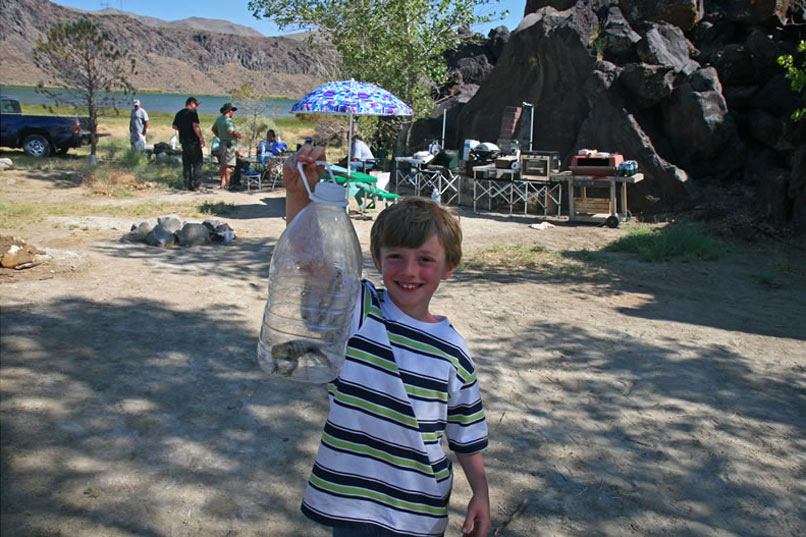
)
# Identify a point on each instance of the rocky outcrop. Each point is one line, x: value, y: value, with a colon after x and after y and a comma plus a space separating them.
x: 168, y: 59
x: 689, y: 89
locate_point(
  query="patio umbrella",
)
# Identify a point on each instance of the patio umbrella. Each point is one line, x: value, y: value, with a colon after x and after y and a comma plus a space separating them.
x: 351, y: 98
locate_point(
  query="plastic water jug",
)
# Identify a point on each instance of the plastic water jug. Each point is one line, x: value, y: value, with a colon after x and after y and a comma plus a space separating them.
x: 314, y: 280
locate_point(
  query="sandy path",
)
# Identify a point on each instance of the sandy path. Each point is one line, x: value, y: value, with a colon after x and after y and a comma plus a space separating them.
x: 623, y: 398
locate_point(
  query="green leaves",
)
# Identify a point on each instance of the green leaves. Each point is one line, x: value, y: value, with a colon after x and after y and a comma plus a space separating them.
x: 796, y: 75
x: 396, y: 44
x: 82, y: 59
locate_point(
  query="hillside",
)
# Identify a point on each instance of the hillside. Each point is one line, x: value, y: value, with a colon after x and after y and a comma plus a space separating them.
x: 190, y: 23
x: 170, y: 59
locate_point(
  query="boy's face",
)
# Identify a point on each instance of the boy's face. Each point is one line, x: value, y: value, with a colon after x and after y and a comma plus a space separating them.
x: 412, y: 275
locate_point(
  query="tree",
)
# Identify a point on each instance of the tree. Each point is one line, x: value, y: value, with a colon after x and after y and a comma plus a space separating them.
x: 83, y: 60
x: 396, y: 44
x: 796, y: 75
x: 254, y: 108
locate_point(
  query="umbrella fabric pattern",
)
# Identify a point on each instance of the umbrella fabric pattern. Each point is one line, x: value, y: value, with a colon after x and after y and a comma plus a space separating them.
x: 351, y: 98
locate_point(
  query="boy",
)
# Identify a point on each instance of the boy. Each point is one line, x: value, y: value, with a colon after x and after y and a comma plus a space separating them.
x: 407, y: 380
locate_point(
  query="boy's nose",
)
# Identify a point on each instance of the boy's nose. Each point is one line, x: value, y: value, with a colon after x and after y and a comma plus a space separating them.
x: 410, y: 265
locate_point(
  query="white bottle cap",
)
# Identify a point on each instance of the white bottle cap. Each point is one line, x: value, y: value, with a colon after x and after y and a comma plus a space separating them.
x: 330, y: 194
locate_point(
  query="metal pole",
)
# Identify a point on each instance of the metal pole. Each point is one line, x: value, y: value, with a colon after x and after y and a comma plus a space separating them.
x: 531, y: 122
x: 350, y: 146
x: 444, y: 117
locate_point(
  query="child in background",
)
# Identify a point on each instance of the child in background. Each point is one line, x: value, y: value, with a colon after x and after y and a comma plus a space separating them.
x: 407, y: 380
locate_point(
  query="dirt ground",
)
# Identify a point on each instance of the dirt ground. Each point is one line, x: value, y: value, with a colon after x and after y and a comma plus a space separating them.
x: 623, y: 398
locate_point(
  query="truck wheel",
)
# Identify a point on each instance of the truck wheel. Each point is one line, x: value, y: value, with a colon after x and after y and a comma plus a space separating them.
x: 36, y: 145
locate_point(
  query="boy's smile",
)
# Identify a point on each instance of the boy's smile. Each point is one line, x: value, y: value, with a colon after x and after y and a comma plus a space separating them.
x: 412, y: 275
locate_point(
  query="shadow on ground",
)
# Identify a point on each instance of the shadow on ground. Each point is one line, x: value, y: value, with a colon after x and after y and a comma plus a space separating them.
x: 679, y: 439
x: 139, y: 422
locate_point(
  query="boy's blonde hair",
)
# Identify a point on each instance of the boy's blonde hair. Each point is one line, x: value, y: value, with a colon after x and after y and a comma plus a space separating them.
x: 411, y: 222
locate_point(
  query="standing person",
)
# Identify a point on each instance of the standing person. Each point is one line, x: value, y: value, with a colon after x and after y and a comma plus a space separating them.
x: 138, y: 126
x: 186, y: 121
x: 407, y: 380
x: 361, y: 155
x: 224, y: 129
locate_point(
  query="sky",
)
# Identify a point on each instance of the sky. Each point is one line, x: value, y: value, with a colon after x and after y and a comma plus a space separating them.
x: 210, y: 9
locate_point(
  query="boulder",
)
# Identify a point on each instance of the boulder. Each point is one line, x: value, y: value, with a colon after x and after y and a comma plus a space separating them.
x: 664, y: 44
x: 610, y: 127
x: 649, y: 84
x: 702, y: 135
x: 223, y: 234
x: 777, y: 98
x: 211, y: 224
x: 775, y: 204
x: 6, y: 164
x: 170, y: 222
x: 161, y: 236
x: 140, y: 231
x: 617, y: 41
x: 734, y: 64
x: 753, y: 11
x: 193, y: 234
x: 767, y: 129
x: 682, y: 13
x: 545, y: 62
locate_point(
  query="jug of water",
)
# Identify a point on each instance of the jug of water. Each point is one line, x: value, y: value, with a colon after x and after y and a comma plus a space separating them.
x: 314, y: 280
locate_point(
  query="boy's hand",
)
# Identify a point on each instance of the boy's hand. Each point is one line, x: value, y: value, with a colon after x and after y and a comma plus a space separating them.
x: 296, y: 194
x: 477, y: 523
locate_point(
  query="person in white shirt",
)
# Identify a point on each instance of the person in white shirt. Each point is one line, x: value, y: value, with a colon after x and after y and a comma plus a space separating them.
x: 361, y: 157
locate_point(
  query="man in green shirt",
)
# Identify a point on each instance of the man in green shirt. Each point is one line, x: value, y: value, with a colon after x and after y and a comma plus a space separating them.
x: 224, y: 129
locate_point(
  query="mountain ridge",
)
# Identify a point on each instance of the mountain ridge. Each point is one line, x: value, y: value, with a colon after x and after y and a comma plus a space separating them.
x: 190, y: 23
x: 169, y: 59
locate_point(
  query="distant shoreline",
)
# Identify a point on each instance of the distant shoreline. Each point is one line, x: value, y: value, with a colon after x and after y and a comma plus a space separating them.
x: 151, y: 91
x: 157, y: 100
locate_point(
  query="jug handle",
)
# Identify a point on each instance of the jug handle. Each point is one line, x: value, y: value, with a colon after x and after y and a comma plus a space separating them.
x: 305, y: 179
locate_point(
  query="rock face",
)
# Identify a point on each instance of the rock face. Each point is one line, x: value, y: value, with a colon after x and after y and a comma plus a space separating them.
x: 690, y: 89
x: 168, y: 59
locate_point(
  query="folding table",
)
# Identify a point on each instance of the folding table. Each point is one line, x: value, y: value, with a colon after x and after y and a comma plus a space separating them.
x: 362, y: 185
x: 597, y: 209
x: 442, y: 180
x: 507, y: 187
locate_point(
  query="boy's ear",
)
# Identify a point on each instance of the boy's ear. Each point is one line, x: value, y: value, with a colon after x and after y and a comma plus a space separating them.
x: 377, y: 263
x: 449, y: 272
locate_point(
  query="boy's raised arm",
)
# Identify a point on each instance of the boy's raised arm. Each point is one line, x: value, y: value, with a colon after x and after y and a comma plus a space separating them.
x: 296, y: 196
x: 477, y: 522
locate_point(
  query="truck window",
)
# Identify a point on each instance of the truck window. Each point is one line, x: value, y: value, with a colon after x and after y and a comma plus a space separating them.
x: 11, y: 107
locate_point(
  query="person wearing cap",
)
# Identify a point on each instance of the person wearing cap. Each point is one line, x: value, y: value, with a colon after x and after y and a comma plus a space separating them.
x: 138, y: 126
x: 224, y: 129
x: 186, y: 121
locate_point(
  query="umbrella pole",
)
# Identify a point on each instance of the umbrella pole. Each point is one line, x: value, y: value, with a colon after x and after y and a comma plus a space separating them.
x: 350, y: 146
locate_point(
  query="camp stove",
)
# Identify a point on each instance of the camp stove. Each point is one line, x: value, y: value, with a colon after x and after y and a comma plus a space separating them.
x: 596, y: 164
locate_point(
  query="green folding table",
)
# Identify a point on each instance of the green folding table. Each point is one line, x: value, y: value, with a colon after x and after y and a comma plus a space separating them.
x: 362, y: 186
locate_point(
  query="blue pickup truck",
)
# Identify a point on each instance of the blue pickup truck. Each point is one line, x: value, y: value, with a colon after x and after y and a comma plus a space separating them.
x: 38, y: 136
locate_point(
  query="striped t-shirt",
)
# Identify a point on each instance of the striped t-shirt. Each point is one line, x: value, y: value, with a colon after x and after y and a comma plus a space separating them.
x: 404, y: 385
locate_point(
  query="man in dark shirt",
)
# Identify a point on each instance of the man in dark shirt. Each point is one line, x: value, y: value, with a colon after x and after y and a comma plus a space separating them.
x: 186, y: 121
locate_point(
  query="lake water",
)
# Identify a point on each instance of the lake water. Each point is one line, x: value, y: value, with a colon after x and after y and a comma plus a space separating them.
x: 159, y: 102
